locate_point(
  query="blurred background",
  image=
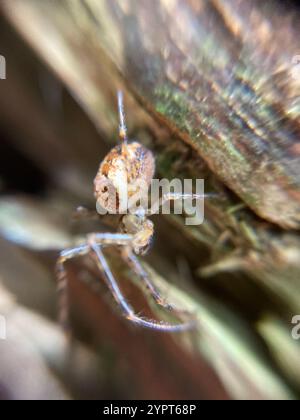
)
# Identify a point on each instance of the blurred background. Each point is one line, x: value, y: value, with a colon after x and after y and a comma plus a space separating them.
x: 213, y: 89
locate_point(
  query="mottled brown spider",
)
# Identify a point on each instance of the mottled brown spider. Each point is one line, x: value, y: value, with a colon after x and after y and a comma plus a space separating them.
x: 122, y: 167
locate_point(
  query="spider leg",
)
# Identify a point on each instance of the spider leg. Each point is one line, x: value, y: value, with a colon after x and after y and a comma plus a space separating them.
x: 127, y: 310
x: 110, y: 239
x: 178, y: 196
x: 61, y: 274
x: 131, y: 259
x: 181, y: 196
x: 62, y: 284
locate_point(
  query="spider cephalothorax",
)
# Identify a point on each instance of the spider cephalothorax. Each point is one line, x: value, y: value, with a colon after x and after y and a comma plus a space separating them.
x: 142, y: 230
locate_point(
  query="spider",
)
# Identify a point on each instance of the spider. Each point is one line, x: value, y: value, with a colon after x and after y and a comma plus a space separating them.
x: 123, y: 166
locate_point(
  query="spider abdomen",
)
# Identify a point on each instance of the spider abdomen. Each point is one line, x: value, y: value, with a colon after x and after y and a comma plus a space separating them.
x: 126, y: 169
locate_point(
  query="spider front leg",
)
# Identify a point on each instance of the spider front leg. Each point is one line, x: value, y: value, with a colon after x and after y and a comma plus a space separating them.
x: 131, y: 259
x: 61, y: 274
x: 126, y: 308
x: 62, y: 284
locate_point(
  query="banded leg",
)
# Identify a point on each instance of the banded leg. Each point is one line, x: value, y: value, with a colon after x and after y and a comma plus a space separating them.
x: 62, y: 284
x: 127, y: 310
x: 131, y: 259
x: 62, y: 280
x: 178, y: 196
x: 182, y: 196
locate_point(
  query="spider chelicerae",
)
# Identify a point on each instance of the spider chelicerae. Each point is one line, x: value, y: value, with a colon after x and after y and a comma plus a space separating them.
x: 126, y: 163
